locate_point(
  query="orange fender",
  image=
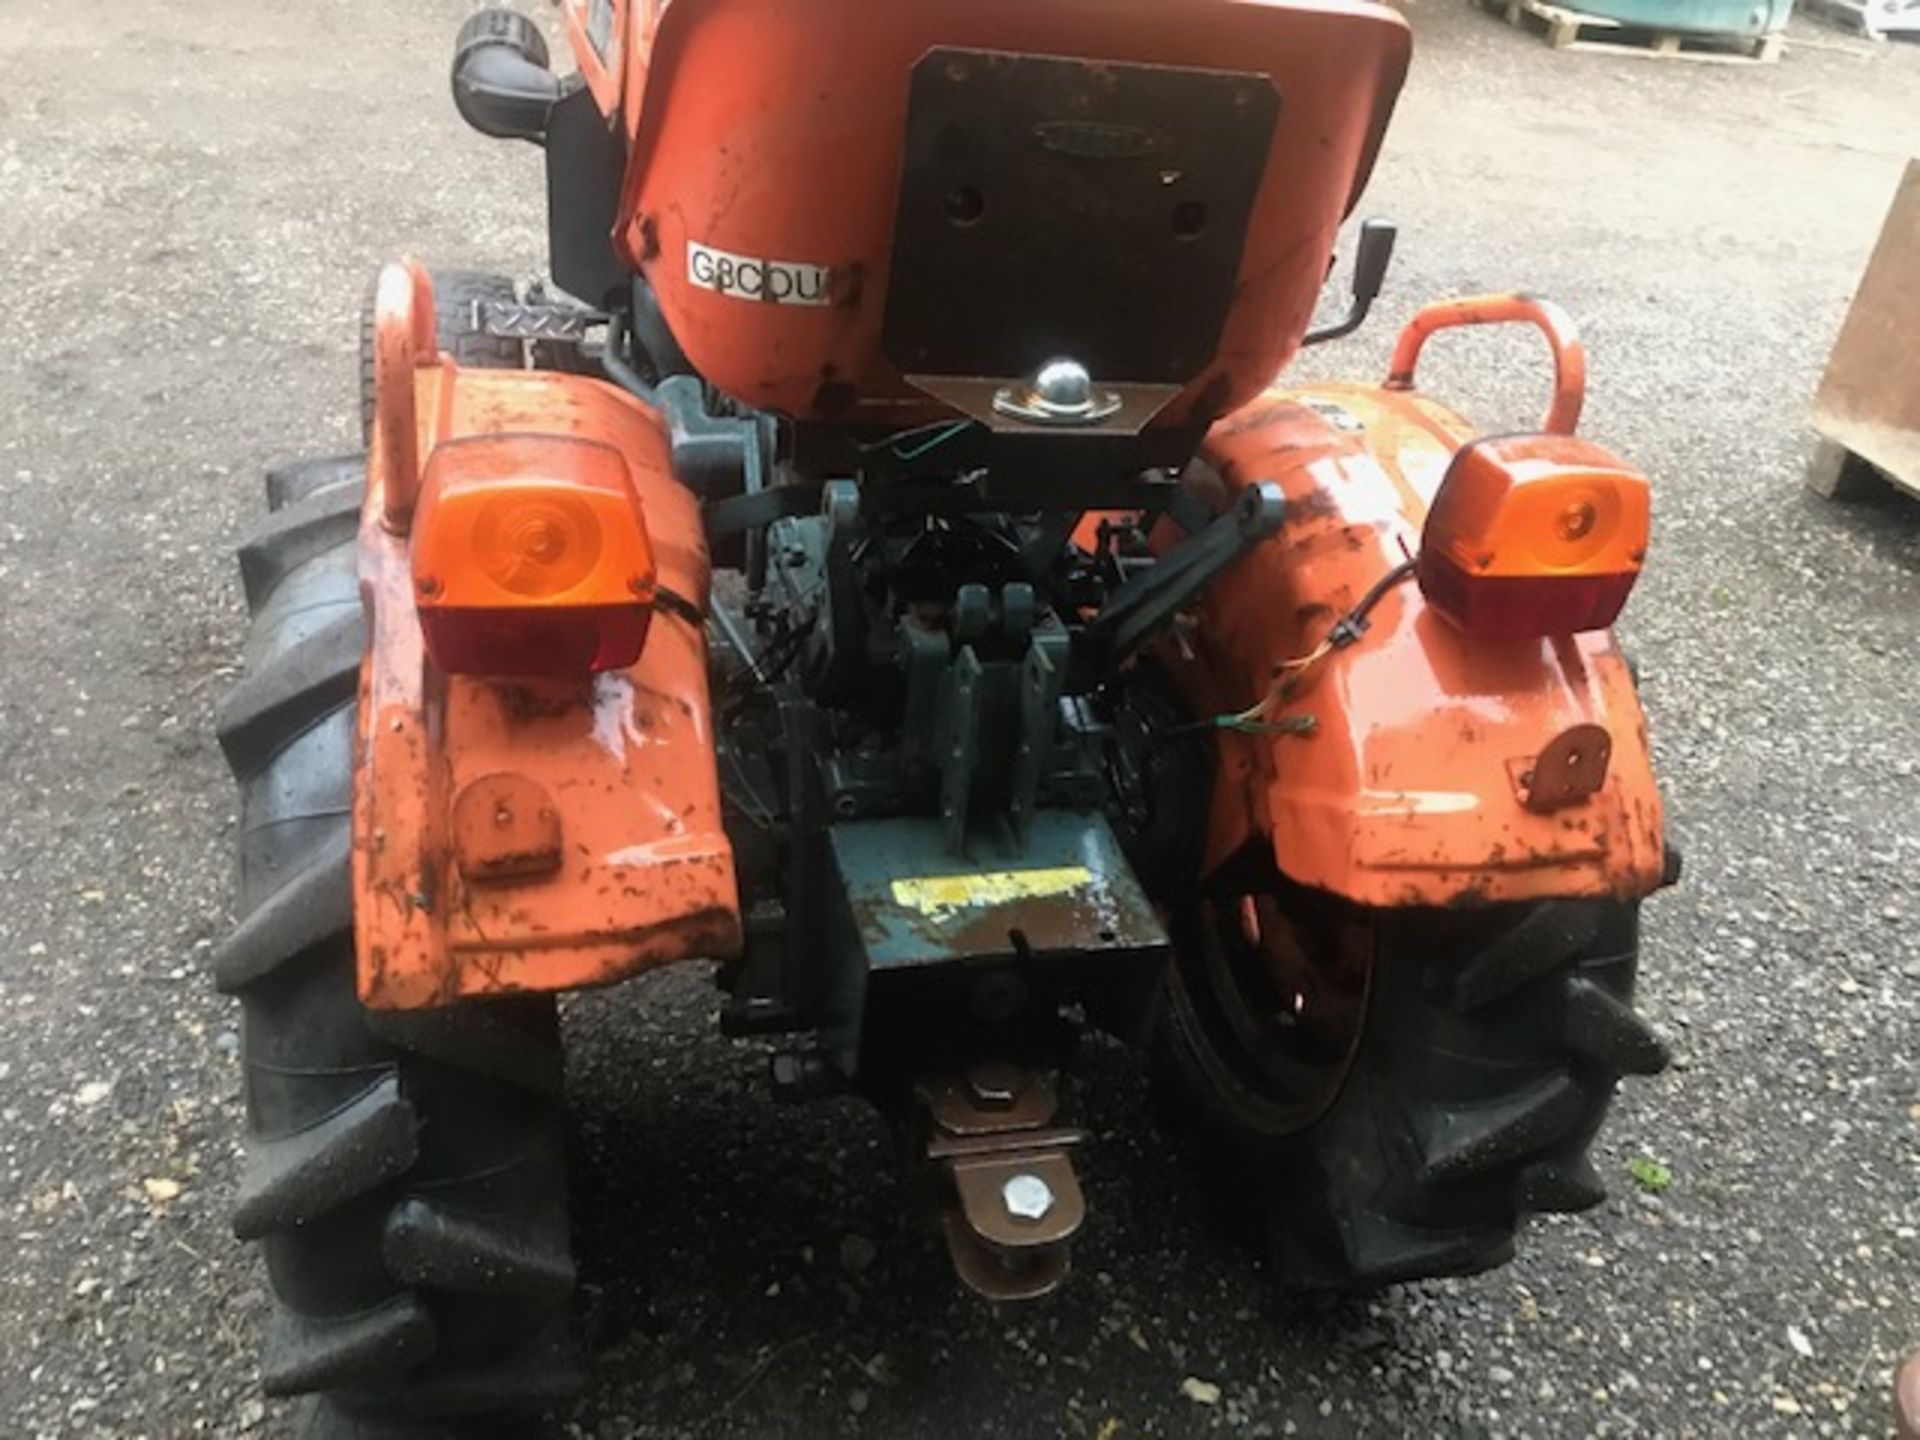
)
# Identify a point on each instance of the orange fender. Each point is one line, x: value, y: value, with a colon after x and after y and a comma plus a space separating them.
x: 523, y: 835
x: 1407, y: 781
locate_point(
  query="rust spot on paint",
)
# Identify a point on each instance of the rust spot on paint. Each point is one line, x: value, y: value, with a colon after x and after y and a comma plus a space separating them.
x: 1316, y: 504
x: 1258, y: 416
x: 542, y: 702
x: 848, y: 286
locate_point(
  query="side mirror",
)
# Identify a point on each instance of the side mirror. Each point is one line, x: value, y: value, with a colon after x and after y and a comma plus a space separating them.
x: 1370, y: 260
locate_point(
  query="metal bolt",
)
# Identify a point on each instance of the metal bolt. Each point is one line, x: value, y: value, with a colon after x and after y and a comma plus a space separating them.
x: 1059, y: 392
x: 1027, y: 1197
x: 994, y: 1084
x: 1063, y: 385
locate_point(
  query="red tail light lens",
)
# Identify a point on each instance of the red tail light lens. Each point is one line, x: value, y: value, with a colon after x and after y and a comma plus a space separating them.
x: 531, y: 558
x: 1534, y: 535
x: 532, y: 645
x: 1513, y: 605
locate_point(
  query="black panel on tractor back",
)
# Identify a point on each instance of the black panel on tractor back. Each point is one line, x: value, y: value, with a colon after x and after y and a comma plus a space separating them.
x: 586, y: 160
x: 1072, y: 207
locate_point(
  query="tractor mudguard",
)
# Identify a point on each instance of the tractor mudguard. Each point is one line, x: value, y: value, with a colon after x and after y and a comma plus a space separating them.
x: 1401, y: 769
x: 526, y: 835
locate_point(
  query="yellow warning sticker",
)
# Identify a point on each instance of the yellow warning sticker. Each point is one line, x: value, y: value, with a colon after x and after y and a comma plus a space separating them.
x: 935, y: 895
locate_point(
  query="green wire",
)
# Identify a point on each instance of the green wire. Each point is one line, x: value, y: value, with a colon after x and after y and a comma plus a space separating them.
x: 930, y: 444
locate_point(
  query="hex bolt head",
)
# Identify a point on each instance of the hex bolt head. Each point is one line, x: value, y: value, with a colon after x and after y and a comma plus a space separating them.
x: 1027, y: 1197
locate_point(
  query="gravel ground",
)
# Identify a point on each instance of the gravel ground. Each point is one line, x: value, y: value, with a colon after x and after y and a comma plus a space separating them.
x: 192, y: 194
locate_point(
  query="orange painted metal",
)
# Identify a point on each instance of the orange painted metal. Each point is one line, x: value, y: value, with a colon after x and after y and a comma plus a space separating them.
x: 505, y: 827
x: 403, y: 340
x: 773, y: 130
x: 1569, y: 355
x: 1412, y: 786
x: 597, y: 35
x: 619, y: 68
x: 467, y: 789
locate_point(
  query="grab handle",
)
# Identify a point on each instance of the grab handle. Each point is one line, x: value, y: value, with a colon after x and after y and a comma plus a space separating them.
x: 1569, y: 358
x: 404, y: 340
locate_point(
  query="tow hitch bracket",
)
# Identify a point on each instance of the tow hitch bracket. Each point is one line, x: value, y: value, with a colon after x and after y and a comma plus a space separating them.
x: 1018, y: 1203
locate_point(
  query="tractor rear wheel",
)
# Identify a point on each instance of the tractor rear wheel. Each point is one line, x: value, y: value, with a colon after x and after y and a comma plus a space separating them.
x: 1374, y: 1095
x: 405, y: 1174
x: 1386, y: 1094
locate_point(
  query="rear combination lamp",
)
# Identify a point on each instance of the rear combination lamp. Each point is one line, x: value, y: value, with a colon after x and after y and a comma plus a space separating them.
x: 1534, y: 535
x: 531, y: 558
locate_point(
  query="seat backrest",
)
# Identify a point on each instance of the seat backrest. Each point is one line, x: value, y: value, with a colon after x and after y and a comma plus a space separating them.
x: 835, y: 200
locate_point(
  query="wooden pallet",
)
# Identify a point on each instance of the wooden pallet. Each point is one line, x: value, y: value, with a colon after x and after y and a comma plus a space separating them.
x: 1566, y: 29
x: 1839, y: 474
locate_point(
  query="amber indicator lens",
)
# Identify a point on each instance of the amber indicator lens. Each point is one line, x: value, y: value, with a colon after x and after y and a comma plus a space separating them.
x: 538, y: 545
x: 531, y: 557
x: 1534, y: 535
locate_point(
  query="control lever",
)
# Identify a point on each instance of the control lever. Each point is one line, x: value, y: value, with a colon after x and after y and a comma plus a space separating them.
x: 1370, y: 260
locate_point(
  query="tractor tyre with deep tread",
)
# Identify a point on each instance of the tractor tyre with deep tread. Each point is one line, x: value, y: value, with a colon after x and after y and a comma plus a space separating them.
x: 1488, y: 1048
x: 458, y: 296
x: 1372, y: 1095
x: 405, y: 1174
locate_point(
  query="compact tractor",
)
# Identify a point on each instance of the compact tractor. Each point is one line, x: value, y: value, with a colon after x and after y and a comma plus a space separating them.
x: 880, y: 561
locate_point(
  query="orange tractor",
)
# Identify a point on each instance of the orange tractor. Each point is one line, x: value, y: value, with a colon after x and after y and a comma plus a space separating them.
x: 880, y: 561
